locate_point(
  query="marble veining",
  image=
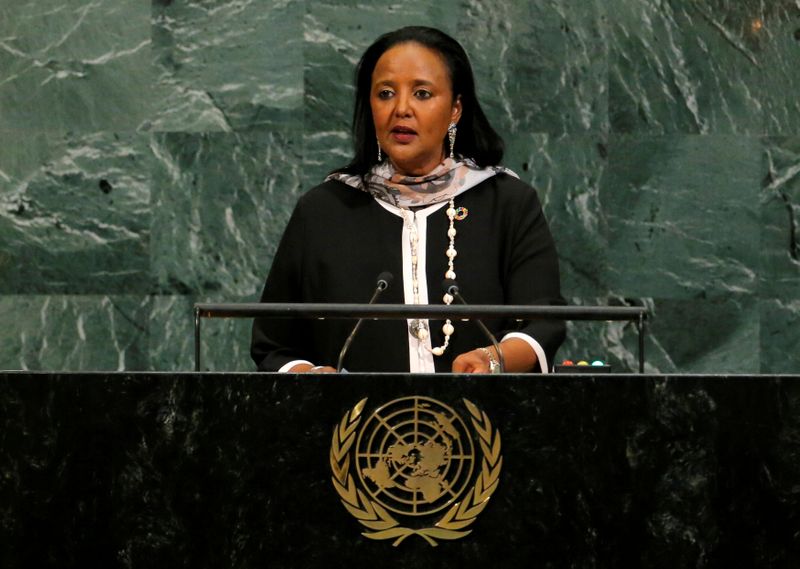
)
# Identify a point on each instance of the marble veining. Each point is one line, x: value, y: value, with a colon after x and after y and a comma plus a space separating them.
x: 80, y: 66
x: 74, y: 332
x: 75, y: 215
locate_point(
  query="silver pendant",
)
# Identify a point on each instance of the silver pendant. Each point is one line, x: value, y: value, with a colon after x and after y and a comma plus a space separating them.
x: 418, y: 329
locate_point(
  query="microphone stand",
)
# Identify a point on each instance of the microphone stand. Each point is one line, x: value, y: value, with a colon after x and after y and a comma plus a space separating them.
x: 451, y: 288
x: 383, y: 283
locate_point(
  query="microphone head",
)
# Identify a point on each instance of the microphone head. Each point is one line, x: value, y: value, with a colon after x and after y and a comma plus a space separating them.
x: 384, y: 280
x: 450, y: 286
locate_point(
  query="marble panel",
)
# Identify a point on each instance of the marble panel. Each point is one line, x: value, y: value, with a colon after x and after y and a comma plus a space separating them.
x: 615, y: 343
x: 539, y: 66
x: 717, y: 335
x: 780, y: 80
x: 780, y: 341
x: 682, y: 215
x: 78, y: 66
x: 227, y: 65
x: 567, y: 173
x: 225, y: 343
x: 711, y: 335
x: 779, y: 274
x: 725, y: 66
x: 73, y: 333
x: 220, y: 203
x: 75, y: 214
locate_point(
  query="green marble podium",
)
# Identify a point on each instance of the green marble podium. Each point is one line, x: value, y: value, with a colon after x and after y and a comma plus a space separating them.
x: 234, y: 470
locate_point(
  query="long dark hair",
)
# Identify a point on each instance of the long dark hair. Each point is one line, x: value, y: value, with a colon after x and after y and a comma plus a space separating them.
x: 476, y: 137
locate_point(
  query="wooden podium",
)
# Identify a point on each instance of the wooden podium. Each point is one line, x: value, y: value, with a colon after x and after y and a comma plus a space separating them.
x: 237, y: 470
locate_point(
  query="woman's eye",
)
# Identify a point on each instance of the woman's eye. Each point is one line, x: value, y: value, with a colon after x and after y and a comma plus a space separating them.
x: 384, y: 94
x: 423, y: 94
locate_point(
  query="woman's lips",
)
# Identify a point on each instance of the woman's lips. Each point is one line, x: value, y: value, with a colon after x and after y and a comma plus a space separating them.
x: 403, y: 135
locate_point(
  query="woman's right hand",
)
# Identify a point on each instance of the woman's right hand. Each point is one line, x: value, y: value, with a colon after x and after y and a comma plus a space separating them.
x: 308, y: 368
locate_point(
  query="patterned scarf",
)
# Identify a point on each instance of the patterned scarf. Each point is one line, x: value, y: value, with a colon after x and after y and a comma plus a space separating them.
x: 447, y: 180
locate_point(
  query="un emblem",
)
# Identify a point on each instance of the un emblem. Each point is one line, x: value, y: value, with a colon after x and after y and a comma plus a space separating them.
x: 414, y: 459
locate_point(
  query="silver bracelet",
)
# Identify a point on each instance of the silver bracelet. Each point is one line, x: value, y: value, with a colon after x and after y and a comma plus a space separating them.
x: 494, y: 365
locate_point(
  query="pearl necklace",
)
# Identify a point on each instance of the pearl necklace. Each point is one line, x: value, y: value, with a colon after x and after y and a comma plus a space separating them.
x: 418, y: 328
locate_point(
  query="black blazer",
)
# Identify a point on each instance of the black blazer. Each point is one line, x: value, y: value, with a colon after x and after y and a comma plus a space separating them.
x: 339, y: 239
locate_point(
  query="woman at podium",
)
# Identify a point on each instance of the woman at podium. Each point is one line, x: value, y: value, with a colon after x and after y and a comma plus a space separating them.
x: 424, y: 198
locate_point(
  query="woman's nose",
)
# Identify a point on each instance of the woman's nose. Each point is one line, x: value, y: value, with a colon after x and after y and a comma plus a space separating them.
x: 403, y: 105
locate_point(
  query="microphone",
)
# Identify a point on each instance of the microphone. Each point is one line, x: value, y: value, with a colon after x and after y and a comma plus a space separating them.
x: 450, y: 286
x: 381, y: 284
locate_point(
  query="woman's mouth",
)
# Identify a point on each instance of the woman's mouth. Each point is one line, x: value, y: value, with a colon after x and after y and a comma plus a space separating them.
x: 403, y: 134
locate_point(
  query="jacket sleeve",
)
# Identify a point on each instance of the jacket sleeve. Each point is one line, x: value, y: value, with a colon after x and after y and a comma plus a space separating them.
x: 277, y: 341
x: 533, y: 274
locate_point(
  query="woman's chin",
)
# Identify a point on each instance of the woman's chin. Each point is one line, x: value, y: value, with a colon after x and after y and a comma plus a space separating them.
x: 411, y: 167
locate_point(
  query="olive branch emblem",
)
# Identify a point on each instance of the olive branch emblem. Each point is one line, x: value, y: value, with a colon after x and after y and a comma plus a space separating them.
x: 380, y: 523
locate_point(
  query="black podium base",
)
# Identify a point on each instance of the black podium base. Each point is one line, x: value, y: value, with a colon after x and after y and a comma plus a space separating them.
x: 235, y: 470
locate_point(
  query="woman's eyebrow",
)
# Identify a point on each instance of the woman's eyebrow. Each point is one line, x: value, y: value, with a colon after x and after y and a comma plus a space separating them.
x: 391, y: 83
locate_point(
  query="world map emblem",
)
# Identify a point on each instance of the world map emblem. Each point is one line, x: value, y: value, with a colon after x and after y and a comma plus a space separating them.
x: 412, y: 467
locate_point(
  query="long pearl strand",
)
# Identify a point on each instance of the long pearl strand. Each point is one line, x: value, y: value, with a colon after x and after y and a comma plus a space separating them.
x: 418, y: 327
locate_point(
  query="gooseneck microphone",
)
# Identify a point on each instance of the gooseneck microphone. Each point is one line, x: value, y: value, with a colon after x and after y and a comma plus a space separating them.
x: 382, y: 283
x: 450, y: 286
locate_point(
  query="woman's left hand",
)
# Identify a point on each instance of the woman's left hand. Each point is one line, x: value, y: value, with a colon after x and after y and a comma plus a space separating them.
x: 518, y: 355
x: 476, y: 361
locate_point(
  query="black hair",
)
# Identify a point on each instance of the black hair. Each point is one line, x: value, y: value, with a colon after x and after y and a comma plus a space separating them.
x: 476, y: 137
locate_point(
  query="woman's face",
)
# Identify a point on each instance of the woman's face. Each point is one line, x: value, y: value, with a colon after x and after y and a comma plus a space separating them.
x: 412, y: 106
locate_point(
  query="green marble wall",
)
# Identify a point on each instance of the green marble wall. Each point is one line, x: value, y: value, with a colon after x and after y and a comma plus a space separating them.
x: 150, y: 156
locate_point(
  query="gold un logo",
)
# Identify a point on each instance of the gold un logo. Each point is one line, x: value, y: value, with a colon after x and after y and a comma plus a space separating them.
x: 412, y: 462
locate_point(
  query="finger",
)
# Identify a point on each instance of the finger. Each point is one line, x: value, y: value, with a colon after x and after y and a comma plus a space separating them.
x: 467, y: 363
x: 460, y: 364
x: 478, y: 362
